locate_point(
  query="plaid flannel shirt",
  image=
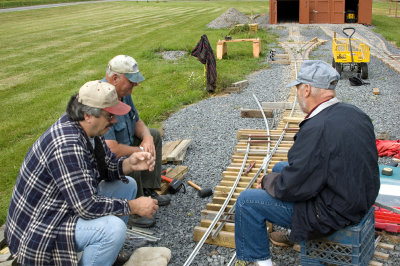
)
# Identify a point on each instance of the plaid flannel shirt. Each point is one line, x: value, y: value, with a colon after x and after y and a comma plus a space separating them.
x: 56, y: 185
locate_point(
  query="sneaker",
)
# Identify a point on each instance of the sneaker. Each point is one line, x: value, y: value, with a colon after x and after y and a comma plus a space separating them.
x: 142, y: 222
x: 163, y: 200
x: 245, y: 263
x: 280, y: 239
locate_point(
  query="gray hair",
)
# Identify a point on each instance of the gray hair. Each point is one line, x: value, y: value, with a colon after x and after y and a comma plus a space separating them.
x: 76, y: 110
x: 111, y: 72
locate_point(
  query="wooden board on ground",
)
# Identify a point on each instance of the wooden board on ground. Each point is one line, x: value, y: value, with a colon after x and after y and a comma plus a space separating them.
x: 255, y: 113
x: 179, y: 172
x: 174, y: 151
x: 224, y: 239
x: 177, y: 155
x: 293, y: 119
x: 168, y: 148
x: 278, y: 105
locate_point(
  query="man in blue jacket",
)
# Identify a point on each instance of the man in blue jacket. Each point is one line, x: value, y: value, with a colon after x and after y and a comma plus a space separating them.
x: 332, y: 176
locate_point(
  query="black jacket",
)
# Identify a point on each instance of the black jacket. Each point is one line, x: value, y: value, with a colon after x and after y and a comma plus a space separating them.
x: 333, y: 174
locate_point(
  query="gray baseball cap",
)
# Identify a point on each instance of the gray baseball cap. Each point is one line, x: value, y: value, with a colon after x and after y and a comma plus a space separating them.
x: 126, y: 65
x: 318, y: 74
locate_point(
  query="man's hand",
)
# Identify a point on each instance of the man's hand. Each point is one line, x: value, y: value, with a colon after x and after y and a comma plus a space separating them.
x: 144, y: 206
x: 259, y: 182
x: 148, y: 145
x: 138, y: 161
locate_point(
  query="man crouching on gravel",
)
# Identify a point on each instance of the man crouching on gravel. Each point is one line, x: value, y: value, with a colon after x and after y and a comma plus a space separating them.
x: 331, y: 178
x: 71, y: 194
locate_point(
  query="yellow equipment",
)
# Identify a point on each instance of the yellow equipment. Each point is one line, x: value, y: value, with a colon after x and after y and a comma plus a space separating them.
x: 345, y: 55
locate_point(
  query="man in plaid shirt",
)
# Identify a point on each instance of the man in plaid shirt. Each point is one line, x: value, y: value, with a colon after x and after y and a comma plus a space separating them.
x: 71, y: 194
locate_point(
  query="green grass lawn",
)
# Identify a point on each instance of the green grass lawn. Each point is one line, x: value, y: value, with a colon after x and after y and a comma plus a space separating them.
x: 387, y: 26
x: 19, y: 3
x: 47, y: 54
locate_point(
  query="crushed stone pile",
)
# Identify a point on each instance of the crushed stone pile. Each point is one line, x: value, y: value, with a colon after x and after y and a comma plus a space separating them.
x: 229, y: 19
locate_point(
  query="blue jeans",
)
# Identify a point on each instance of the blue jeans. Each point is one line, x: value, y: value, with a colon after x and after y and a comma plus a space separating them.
x: 253, y: 208
x: 101, y: 239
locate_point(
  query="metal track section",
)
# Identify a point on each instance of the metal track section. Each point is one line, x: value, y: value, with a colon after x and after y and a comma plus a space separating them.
x: 218, y: 216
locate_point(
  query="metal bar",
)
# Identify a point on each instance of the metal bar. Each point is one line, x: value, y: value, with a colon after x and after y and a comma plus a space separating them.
x: 266, y: 125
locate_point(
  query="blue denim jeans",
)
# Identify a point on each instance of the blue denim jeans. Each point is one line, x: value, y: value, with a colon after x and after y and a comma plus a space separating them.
x: 101, y: 239
x: 253, y: 208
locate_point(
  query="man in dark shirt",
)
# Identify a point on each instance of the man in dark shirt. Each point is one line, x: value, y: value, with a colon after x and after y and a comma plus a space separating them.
x: 130, y: 134
x: 332, y: 176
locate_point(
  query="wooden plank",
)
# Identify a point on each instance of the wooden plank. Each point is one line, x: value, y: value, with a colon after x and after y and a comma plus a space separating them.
x: 278, y: 105
x: 168, y: 148
x: 224, y: 239
x: 181, y: 148
x: 293, y: 119
x: 375, y: 263
x: 381, y: 255
x: 386, y: 246
x: 255, y: 113
x: 240, y: 40
x: 178, y: 172
x: 228, y: 227
x: 179, y: 159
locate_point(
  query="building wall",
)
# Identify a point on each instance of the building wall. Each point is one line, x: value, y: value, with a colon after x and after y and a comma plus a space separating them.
x: 318, y: 11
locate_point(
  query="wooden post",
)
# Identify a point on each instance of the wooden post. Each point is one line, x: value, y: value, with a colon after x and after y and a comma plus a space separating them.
x: 221, y: 49
x: 256, y: 48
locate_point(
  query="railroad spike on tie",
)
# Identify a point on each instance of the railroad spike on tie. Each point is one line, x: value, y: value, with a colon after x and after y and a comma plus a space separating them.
x: 205, y: 192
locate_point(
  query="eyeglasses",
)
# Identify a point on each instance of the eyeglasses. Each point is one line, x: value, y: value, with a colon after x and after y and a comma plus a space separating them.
x: 108, y: 116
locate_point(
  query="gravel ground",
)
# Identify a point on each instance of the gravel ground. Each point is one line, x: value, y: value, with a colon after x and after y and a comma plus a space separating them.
x: 212, y: 124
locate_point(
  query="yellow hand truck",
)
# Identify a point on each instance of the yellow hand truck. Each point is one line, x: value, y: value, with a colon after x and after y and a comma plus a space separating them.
x: 344, y: 54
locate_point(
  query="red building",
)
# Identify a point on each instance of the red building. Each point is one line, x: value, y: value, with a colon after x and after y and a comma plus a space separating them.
x: 320, y: 11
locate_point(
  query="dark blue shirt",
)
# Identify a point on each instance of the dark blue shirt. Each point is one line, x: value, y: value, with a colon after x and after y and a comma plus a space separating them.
x: 124, y: 130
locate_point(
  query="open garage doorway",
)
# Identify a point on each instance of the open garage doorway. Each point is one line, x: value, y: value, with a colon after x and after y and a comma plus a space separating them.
x: 288, y: 11
x: 351, y: 11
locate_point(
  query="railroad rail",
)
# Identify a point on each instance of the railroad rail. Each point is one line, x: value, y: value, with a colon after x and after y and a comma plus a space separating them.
x: 253, y: 149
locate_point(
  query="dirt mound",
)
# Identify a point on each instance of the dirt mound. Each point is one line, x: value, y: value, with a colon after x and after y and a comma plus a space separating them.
x: 229, y: 19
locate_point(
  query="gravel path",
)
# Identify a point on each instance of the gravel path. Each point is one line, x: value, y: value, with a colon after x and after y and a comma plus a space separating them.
x: 213, y: 124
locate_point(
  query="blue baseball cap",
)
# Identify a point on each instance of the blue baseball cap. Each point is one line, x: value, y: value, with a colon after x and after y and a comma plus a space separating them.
x: 126, y: 65
x: 318, y: 74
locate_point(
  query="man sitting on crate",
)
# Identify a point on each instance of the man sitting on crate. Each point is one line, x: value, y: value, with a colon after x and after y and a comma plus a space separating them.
x: 331, y: 178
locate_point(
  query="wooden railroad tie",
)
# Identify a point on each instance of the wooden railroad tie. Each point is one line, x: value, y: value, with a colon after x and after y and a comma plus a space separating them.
x: 174, y: 151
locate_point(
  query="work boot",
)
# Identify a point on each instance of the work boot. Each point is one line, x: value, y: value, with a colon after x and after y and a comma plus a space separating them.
x: 280, y: 239
x: 163, y: 200
x: 139, y: 221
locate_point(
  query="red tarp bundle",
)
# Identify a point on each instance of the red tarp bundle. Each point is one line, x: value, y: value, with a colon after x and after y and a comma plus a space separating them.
x: 388, y: 148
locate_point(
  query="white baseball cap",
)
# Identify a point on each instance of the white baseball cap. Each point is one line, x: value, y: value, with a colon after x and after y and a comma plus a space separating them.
x: 126, y: 65
x: 102, y: 95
